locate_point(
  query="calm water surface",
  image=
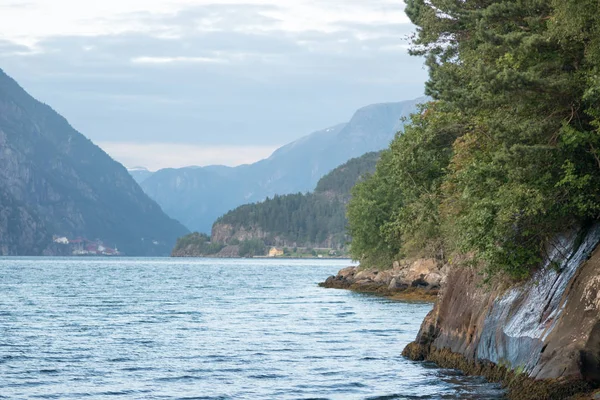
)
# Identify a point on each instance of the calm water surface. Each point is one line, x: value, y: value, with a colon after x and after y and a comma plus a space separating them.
x: 207, y: 329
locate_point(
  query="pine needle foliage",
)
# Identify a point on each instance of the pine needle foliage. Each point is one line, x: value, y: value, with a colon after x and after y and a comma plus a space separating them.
x: 507, y: 154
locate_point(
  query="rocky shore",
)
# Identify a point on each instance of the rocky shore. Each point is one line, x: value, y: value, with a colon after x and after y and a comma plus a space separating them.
x: 416, y: 280
x: 539, y: 338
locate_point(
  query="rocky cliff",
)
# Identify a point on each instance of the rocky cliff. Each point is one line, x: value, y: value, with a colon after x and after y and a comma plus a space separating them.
x: 228, y: 233
x: 225, y: 233
x: 21, y: 229
x: 541, y: 337
x: 54, y: 181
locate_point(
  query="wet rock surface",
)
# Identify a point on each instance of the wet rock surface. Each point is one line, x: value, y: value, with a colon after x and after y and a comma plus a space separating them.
x: 417, y: 280
x: 540, y: 337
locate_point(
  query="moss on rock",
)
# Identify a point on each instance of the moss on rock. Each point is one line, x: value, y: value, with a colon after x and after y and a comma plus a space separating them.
x: 519, y: 385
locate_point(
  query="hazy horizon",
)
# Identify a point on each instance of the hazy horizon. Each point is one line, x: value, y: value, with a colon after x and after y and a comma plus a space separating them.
x: 173, y: 83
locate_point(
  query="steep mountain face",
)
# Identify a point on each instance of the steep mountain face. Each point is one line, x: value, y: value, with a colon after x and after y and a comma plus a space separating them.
x: 299, y: 220
x: 54, y: 181
x: 197, y: 196
x: 21, y: 229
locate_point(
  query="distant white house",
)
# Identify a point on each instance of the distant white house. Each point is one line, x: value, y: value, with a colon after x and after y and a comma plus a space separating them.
x: 61, y: 240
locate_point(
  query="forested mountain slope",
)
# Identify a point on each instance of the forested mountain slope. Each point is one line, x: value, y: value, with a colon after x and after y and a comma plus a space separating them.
x: 54, y: 181
x: 299, y: 220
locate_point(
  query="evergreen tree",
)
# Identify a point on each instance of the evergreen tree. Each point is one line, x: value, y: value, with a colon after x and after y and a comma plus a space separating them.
x: 507, y: 155
x: 306, y: 219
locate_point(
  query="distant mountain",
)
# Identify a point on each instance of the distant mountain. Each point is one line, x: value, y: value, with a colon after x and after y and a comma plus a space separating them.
x: 56, y: 182
x: 198, y: 196
x: 311, y: 220
x: 140, y: 174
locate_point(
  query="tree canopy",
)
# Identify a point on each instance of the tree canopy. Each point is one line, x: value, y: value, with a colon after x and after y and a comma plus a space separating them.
x: 507, y: 154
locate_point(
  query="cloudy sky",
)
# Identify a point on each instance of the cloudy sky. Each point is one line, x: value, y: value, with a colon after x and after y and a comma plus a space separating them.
x: 168, y: 83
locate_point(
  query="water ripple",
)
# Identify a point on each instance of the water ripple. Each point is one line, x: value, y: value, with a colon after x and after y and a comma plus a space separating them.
x: 207, y: 329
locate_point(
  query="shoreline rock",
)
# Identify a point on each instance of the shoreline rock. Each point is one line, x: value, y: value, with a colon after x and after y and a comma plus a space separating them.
x: 518, y: 384
x: 539, y: 338
x: 418, y: 280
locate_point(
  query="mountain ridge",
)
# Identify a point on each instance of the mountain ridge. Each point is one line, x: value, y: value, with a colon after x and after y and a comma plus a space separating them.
x: 55, y: 181
x: 197, y: 196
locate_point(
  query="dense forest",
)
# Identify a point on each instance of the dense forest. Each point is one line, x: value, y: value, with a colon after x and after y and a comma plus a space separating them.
x: 295, y: 218
x: 340, y: 181
x: 506, y: 155
x: 196, y: 244
x: 313, y: 219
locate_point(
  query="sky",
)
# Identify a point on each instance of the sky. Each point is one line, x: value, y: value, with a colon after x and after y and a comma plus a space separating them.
x: 170, y: 83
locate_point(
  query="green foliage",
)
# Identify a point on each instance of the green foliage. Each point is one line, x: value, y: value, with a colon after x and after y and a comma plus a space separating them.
x: 299, y: 218
x: 197, y: 244
x: 507, y: 155
x: 252, y: 247
x: 306, y: 219
x: 395, y: 212
x: 370, y: 213
x: 341, y: 180
x: 421, y: 158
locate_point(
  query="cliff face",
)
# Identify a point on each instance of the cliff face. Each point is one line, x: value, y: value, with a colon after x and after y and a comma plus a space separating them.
x: 54, y: 181
x: 227, y: 233
x: 224, y: 233
x: 22, y: 232
x: 546, y: 329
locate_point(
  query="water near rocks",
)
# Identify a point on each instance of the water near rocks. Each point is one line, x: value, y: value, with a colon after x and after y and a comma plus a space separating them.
x: 207, y: 329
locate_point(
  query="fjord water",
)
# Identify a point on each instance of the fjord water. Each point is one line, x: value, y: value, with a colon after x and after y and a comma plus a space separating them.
x: 207, y: 329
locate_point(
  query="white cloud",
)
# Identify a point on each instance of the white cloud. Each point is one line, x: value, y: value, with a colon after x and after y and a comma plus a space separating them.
x: 169, y: 60
x: 155, y: 156
x: 207, y: 72
x: 43, y: 18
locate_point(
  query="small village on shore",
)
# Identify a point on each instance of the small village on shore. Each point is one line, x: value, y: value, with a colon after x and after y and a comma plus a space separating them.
x: 85, y: 247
